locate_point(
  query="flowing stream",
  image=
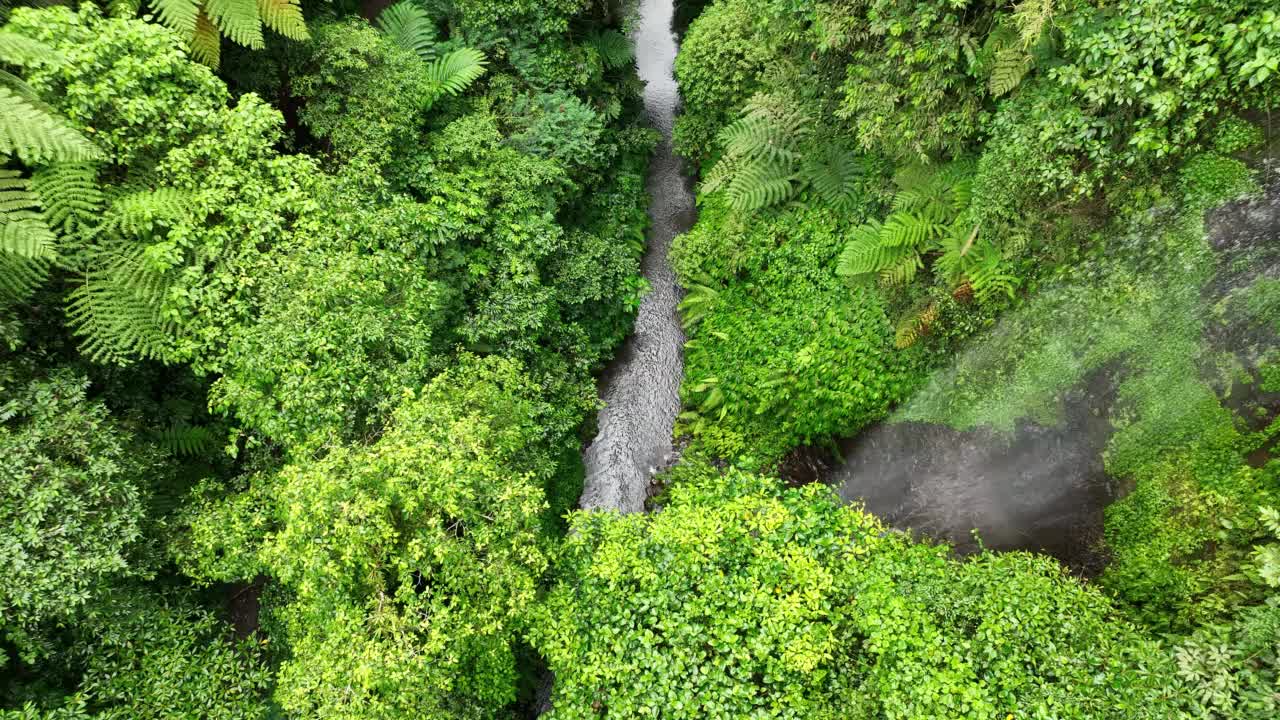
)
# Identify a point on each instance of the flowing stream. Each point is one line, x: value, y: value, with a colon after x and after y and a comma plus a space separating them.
x: 641, y: 387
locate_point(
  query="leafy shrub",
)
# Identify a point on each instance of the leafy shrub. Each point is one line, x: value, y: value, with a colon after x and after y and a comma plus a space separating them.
x: 560, y: 126
x: 73, y: 488
x: 741, y: 599
x: 414, y: 559
x: 721, y: 60
x: 780, y: 352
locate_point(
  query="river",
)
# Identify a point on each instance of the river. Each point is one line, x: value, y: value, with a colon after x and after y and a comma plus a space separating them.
x: 641, y: 388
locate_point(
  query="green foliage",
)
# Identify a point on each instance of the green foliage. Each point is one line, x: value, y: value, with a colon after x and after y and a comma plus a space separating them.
x: 930, y: 216
x: 453, y: 72
x: 72, y: 492
x: 203, y: 23
x: 414, y: 559
x: 741, y: 599
x: 23, y: 231
x: 719, y: 66
x: 780, y: 352
x: 136, y: 655
x: 560, y: 126
x: 614, y: 48
x: 410, y: 26
x: 368, y: 91
x: 70, y: 195
x: 105, y: 60
x: 771, y: 154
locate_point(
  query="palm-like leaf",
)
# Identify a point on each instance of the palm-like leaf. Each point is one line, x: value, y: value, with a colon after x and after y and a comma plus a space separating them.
x: 614, y: 48
x: 410, y: 26
x: 454, y: 72
x: 33, y: 132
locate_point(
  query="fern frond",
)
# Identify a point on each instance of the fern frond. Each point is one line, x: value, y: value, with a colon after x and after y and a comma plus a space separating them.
x: 117, y: 310
x: 238, y: 20
x: 988, y: 274
x: 206, y: 42
x: 177, y: 15
x: 284, y: 17
x: 409, y: 25
x: 124, y: 9
x: 452, y: 73
x: 1031, y: 17
x: 758, y: 137
x: 760, y: 183
x: 23, y: 232
x: 834, y: 173
x: 697, y: 304
x: 32, y: 132
x: 905, y: 229
x: 866, y: 254
x: 862, y: 255
x: 139, y: 214
x: 614, y: 48
x: 1011, y: 65
x: 902, y: 271
x: 70, y: 195
x: 21, y: 50
x: 915, y: 326
x: 186, y: 440
x: 20, y: 276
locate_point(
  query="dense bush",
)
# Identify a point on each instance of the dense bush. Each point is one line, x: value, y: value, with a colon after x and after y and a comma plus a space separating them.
x: 740, y: 599
x: 780, y: 352
x: 721, y: 61
x: 73, y: 490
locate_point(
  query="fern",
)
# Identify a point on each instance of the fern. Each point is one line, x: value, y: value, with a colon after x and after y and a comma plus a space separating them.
x: 905, y: 229
x: 186, y: 440
x: 117, y: 309
x: 1011, y: 65
x: 614, y: 48
x: 930, y: 217
x: 20, y: 276
x: 178, y: 15
x: 762, y: 154
x: 140, y: 214
x: 202, y: 23
x: 284, y: 17
x: 697, y: 303
x: 408, y: 25
x: 915, y: 326
x: 835, y: 174
x: 70, y: 194
x: 455, y: 71
x: 23, y: 232
x: 33, y: 132
x: 124, y: 8
x: 1031, y: 18
x: 21, y: 50
x: 206, y: 41
x: 760, y: 183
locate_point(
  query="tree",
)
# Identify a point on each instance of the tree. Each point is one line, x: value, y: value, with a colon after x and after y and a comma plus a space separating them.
x: 743, y: 599
x: 73, y: 488
x: 411, y: 561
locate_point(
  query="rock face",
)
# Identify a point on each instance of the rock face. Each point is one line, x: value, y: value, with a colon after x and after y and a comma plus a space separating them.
x: 641, y: 387
x: 1045, y: 488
